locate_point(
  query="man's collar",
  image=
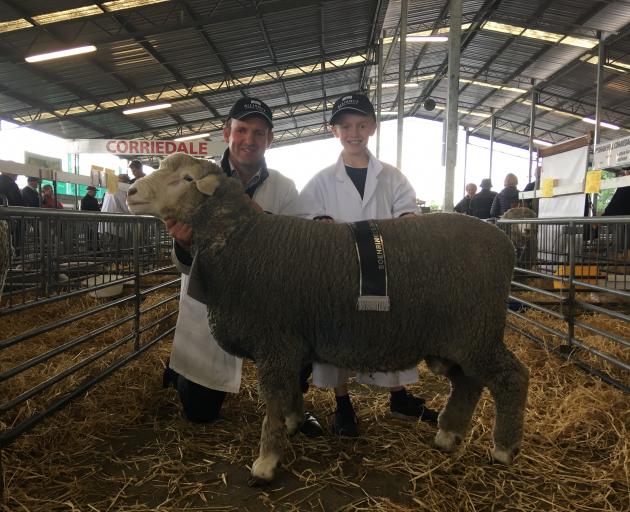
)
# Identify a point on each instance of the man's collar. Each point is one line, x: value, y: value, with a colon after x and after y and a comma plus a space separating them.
x: 253, y: 182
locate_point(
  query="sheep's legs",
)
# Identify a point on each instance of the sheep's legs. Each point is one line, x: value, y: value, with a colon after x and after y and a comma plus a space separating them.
x: 294, y: 413
x: 278, y: 389
x: 507, y: 379
x: 454, y: 419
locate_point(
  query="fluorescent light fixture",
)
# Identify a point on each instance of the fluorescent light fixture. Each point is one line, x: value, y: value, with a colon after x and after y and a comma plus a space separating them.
x: 192, y: 137
x: 389, y: 112
x: 601, y: 123
x: 395, y: 84
x: 539, y: 142
x: 61, y: 53
x: 426, y: 39
x: 148, y: 108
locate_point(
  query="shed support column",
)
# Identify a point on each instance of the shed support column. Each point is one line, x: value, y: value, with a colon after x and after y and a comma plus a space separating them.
x: 379, y: 96
x: 454, y: 45
x: 532, y: 123
x: 402, y: 60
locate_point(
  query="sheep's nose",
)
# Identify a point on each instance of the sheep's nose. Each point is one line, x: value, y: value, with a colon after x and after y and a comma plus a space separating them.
x: 131, y: 191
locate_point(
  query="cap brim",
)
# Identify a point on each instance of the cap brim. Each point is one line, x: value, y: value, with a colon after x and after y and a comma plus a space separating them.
x: 259, y: 114
x: 348, y: 108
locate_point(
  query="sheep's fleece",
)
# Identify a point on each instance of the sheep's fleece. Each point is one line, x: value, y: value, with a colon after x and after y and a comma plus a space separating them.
x: 283, y: 290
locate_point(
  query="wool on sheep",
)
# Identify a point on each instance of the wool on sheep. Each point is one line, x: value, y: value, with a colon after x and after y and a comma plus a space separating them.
x: 283, y: 291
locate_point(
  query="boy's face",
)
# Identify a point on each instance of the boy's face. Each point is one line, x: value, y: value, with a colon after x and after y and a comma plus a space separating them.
x: 354, y: 131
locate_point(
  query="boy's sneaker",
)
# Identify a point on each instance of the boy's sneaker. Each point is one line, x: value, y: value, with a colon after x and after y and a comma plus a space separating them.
x: 345, y: 423
x: 406, y: 406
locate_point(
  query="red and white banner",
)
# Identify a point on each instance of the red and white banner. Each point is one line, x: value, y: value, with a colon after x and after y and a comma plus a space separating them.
x: 140, y: 147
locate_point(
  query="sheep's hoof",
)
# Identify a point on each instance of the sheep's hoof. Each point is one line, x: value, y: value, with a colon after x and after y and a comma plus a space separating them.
x: 293, y: 422
x: 504, y: 456
x: 263, y: 471
x: 254, y: 481
x: 447, y: 441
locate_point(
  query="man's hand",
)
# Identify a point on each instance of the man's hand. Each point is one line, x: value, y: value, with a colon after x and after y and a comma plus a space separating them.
x: 181, y: 232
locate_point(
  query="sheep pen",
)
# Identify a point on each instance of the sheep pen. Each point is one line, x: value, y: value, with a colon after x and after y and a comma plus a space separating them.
x: 301, y: 282
x: 126, y: 447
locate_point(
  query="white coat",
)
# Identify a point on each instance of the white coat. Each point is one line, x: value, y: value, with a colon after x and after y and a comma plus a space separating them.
x: 195, y: 354
x: 387, y: 195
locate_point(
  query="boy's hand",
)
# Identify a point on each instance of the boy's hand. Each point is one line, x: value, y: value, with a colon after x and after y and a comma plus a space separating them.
x: 181, y: 232
x: 324, y: 218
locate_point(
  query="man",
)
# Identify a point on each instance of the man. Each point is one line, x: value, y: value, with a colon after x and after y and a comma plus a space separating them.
x: 30, y: 194
x: 482, y: 201
x: 464, y: 205
x: 136, y: 170
x: 89, y: 201
x: 10, y: 191
x: 360, y: 187
x: 200, y: 370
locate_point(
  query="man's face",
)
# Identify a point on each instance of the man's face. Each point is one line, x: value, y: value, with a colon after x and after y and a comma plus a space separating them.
x: 91, y: 192
x: 354, y: 131
x: 247, y: 141
x: 32, y: 183
x: 136, y: 171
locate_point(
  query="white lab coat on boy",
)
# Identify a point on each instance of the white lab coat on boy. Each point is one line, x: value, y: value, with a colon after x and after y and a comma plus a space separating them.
x: 387, y: 195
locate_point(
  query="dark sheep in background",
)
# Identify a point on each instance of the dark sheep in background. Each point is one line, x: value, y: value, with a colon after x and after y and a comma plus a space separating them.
x: 283, y: 291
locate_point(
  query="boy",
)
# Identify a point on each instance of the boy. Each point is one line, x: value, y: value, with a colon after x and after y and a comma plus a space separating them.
x: 360, y: 187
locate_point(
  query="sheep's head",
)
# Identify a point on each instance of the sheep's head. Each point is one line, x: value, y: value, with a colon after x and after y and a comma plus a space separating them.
x: 176, y: 189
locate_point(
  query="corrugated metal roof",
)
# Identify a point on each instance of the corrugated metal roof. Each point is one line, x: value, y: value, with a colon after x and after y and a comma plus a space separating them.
x: 202, y: 55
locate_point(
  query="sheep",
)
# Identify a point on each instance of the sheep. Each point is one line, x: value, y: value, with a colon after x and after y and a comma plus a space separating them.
x: 524, y: 236
x: 282, y: 291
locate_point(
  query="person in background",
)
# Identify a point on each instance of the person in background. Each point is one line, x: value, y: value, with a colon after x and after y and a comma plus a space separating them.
x: 136, y: 169
x: 30, y: 194
x: 48, y: 198
x: 464, y: 205
x: 481, y: 202
x: 89, y: 201
x: 198, y: 368
x: 619, y: 205
x: 533, y: 185
x: 507, y: 198
x: 10, y: 190
x: 360, y: 187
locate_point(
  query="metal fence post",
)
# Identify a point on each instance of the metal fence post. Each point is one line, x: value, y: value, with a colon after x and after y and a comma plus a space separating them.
x: 136, y: 271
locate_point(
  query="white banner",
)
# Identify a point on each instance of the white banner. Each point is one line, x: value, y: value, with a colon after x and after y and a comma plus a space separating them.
x: 140, y: 147
x: 612, y: 154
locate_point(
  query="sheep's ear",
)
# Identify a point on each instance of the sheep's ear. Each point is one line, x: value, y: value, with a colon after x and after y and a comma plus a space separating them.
x: 208, y: 184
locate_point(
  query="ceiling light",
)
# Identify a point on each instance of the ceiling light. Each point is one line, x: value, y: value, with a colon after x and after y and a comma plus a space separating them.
x: 192, y: 137
x: 395, y: 84
x: 426, y: 39
x: 146, y: 109
x: 61, y: 53
x: 601, y: 123
x: 539, y: 142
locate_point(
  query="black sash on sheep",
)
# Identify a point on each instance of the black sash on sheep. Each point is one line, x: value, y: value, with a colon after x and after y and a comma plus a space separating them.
x: 372, y: 265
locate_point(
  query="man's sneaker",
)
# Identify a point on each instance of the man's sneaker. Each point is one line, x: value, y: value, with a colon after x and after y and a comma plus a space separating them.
x: 406, y: 406
x: 311, y: 427
x: 345, y: 423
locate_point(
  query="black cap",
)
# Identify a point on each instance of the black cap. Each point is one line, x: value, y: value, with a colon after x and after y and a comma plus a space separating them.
x: 246, y: 107
x: 486, y: 183
x: 353, y: 103
x: 91, y: 187
x: 32, y: 178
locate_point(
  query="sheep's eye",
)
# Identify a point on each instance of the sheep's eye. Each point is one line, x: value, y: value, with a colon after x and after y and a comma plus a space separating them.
x: 189, y: 178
